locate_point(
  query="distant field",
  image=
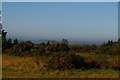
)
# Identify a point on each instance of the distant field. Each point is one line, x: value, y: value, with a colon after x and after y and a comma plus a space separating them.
x: 26, y: 67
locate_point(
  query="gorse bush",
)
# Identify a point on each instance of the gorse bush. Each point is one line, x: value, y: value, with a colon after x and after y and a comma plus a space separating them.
x: 58, y: 47
x: 21, y: 49
x: 29, y: 49
x: 92, y: 65
x: 64, y: 61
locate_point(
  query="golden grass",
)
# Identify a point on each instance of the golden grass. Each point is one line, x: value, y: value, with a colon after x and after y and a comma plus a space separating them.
x: 27, y: 67
x: 21, y: 63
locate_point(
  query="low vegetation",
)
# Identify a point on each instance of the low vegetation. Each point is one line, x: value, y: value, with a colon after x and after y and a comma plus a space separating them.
x: 59, y: 59
x: 32, y: 67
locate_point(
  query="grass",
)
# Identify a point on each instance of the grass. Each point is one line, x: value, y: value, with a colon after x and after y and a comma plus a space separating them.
x: 104, y: 60
x: 92, y: 73
x: 98, y: 56
x: 26, y: 67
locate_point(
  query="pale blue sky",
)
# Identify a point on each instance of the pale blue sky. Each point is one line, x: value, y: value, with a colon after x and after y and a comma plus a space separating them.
x: 89, y: 21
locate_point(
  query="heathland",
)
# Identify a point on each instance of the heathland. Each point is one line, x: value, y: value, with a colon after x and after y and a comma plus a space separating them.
x: 54, y: 59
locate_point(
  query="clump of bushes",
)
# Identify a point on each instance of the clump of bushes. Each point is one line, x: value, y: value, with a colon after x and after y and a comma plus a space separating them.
x: 62, y: 61
x: 21, y: 49
x: 30, y: 49
x: 92, y: 65
x: 107, y: 50
x: 83, y: 48
x: 52, y: 48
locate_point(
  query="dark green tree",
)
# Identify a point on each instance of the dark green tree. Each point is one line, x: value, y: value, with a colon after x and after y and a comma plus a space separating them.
x: 9, y: 43
x: 119, y: 40
x: 48, y: 43
x: 4, y: 35
x: 15, y: 41
x: 4, y: 41
x: 110, y: 43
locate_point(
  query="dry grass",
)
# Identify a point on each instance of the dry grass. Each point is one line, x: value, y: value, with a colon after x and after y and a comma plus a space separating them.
x: 22, y: 63
x: 21, y: 67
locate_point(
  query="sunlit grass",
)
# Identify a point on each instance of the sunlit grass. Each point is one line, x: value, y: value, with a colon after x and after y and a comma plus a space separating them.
x: 98, y: 56
x: 26, y: 67
x: 92, y: 73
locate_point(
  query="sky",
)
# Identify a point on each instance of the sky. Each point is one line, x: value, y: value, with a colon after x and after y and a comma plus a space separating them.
x: 119, y: 20
x: 75, y: 21
x: 60, y: 0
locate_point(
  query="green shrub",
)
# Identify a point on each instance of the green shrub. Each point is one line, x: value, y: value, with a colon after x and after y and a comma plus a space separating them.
x: 92, y: 65
x: 64, y: 61
x: 22, y: 49
x: 107, y: 50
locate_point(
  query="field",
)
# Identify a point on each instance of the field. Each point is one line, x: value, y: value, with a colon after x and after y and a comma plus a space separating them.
x: 28, y: 67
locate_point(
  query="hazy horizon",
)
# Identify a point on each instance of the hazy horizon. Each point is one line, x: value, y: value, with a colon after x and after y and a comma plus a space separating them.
x: 75, y: 21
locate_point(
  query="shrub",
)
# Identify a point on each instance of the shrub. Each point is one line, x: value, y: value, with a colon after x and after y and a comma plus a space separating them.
x: 64, y: 61
x: 21, y: 49
x: 93, y: 64
x: 57, y: 48
x: 107, y: 50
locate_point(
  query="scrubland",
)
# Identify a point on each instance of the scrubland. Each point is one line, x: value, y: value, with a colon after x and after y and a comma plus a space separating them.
x: 31, y: 67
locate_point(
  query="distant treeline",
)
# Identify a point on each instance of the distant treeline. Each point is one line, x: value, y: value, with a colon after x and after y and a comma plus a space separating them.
x: 29, y: 49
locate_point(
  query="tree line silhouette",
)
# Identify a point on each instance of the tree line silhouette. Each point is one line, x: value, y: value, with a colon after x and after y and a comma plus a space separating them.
x: 29, y: 49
